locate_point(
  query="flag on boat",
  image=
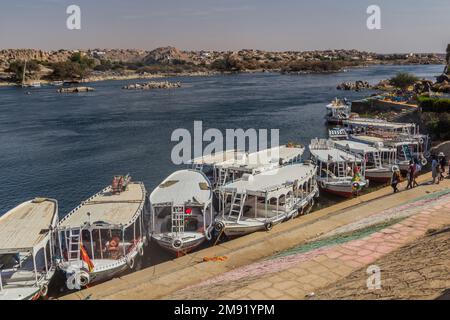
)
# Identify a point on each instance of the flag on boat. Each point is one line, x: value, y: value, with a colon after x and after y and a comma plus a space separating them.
x: 86, y: 259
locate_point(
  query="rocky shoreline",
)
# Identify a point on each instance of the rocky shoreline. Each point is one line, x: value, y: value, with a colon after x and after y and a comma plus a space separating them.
x: 152, y: 85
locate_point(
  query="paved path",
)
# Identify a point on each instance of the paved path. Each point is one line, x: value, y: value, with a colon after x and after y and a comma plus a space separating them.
x: 297, y: 275
x: 168, y: 280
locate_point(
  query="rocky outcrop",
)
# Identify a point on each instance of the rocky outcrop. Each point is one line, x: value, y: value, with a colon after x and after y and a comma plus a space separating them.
x: 153, y: 85
x: 356, y: 86
x: 75, y: 89
x: 166, y: 55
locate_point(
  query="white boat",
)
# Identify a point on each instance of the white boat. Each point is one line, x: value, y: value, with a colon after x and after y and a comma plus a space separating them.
x: 338, y: 172
x: 257, y: 202
x: 379, y: 162
x: 27, y: 249
x: 406, y: 150
x: 337, y: 111
x: 225, y: 167
x: 361, y: 125
x: 182, y: 211
x: 105, y: 235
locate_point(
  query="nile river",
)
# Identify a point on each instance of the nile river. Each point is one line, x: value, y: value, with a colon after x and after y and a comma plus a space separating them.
x: 68, y: 146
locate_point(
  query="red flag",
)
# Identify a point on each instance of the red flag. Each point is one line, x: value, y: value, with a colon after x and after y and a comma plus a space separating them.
x: 85, y: 258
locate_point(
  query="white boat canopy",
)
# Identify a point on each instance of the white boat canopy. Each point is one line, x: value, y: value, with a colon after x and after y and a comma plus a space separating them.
x: 115, y: 209
x: 270, y: 181
x: 26, y: 226
x: 181, y: 187
x: 379, y: 124
x: 359, y: 147
x: 325, y: 152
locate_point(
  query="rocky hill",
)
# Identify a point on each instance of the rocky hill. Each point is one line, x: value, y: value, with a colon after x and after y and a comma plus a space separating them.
x: 166, y: 55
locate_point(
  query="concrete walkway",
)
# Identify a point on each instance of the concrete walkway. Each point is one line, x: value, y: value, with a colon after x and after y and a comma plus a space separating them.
x: 168, y: 280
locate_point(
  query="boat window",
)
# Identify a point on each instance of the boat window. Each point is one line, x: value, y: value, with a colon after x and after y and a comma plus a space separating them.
x: 273, y: 201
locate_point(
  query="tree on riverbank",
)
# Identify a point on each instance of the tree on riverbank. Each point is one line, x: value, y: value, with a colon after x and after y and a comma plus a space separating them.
x: 403, y: 80
x: 77, y: 67
x: 16, y: 67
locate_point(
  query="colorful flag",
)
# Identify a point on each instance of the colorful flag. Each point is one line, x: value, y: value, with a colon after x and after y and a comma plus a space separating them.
x: 85, y: 258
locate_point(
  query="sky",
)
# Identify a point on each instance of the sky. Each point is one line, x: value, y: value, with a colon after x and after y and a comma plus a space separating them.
x: 274, y: 25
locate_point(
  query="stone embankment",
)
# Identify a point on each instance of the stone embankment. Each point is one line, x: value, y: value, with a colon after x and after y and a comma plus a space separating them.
x: 153, y: 85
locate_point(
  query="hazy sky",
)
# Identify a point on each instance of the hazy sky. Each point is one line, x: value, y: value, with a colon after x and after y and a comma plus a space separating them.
x: 407, y: 25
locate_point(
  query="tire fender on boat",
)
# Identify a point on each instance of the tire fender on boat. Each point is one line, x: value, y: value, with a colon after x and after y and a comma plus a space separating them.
x: 219, y: 226
x: 268, y: 226
x: 140, y: 249
x: 130, y: 262
x: 208, y: 234
x: 424, y: 162
x: 427, y: 154
x: 84, y: 278
x: 177, y: 244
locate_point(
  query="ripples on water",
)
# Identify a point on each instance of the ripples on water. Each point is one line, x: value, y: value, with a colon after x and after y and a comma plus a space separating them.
x: 69, y: 146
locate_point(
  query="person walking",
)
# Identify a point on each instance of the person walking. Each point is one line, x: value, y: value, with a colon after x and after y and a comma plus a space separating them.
x: 418, y: 168
x: 411, y: 174
x: 443, y: 165
x: 434, y: 169
x: 395, y: 180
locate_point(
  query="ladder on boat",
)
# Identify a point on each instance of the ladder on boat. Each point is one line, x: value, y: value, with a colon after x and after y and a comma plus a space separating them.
x: 341, y: 166
x: 177, y: 219
x: 223, y: 175
x: 377, y: 159
x: 237, y: 205
x: 73, y: 251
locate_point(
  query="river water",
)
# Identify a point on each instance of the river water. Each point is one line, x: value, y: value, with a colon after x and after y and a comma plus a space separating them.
x: 68, y: 146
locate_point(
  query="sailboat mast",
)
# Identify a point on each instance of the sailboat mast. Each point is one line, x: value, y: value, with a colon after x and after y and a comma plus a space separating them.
x: 24, y: 70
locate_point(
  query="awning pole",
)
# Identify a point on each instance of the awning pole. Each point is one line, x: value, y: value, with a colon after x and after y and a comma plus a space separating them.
x: 34, y: 265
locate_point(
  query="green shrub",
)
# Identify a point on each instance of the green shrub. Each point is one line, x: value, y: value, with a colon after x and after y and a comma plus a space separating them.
x: 438, y: 105
x: 403, y: 80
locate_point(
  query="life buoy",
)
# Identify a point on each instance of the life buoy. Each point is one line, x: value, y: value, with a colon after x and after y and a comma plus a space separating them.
x: 130, y: 262
x: 424, y: 162
x: 356, y: 186
x: 219, y: 226
x: 427, y: 154
x: 208, y: 234
x: 43, y: 291
x: 421, y: 140
x: 177, y: 244
x: 268, y: 226
x: 141, y: 250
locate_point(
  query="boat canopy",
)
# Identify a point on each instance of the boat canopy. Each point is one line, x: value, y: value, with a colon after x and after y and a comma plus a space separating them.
x: 359, y: 147
x: 25, y: 227
x: 378, y: 124
x: 182, y: 187
x: 107, y: 207
x: 244, y: 161
x: 325, y: 151
x: 271, y: 181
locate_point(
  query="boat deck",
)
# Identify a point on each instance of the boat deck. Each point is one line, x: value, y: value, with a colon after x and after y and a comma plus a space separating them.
x: 27, y: 224
x: 114, y: 209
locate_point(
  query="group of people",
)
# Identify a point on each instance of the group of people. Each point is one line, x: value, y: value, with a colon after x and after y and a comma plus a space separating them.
x: 438, y: 170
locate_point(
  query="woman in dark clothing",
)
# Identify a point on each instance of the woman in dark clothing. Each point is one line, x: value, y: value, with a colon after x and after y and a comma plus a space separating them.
x: 395, y: 179
x: 443, y: 164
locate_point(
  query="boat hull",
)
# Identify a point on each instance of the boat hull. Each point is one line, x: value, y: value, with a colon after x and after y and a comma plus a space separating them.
x: 187, y: 245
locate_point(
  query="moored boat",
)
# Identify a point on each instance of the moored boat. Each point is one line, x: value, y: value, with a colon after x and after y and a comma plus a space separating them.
x: 258, y: 202
x: 105, y: 235
x: 338, y: 172
x: 27, y: 249
x: 337, y: 112
x: 182, y: 213
x: 228, y: 166
x: 379, y: 162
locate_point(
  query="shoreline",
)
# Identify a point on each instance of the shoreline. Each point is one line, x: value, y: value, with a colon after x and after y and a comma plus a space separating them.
x: 135, y: 76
